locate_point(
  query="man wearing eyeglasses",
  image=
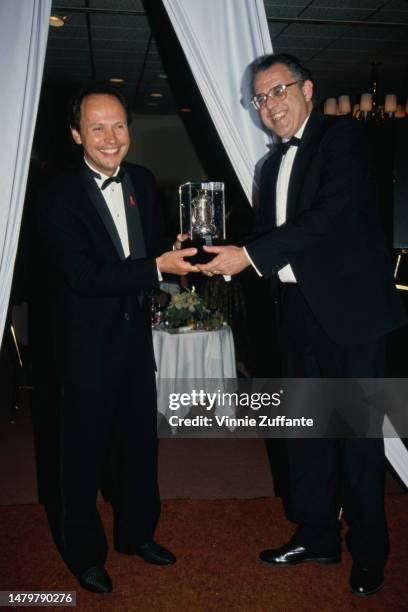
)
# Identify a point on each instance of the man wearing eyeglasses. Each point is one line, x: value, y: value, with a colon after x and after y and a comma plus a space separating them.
x: 318, y: 237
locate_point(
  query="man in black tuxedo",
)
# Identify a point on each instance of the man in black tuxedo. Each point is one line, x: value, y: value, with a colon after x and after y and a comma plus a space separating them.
x: 318, y: 237
x: 101, y: 225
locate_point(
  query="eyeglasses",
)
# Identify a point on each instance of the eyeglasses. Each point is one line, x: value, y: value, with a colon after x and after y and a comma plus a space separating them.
x: 279, y: 92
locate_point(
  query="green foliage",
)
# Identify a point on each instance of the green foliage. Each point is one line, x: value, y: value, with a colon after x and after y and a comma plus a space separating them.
x: 184, y: 308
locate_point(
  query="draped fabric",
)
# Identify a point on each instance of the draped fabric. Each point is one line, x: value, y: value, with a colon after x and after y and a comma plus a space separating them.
x: 220, y: 39
x: 23, y: 42
x: 396, y: 452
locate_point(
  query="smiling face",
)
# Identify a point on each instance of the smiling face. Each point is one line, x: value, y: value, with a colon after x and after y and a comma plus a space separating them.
x: 283, y: 117
x: 103, y: 132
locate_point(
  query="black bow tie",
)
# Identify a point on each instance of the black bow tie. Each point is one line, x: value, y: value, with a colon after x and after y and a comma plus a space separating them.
x: 284, y: 146
x: 113, y: 179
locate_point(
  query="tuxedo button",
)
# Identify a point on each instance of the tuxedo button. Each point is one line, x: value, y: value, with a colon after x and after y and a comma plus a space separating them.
x: 127, y: 316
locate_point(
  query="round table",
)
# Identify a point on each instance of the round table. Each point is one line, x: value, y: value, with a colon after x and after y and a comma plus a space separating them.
x: 199, y: 355
x: 195, y: 354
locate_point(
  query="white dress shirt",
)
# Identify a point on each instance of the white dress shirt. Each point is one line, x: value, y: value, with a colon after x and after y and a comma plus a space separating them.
x: 113, y: 196
x: 286, y: 274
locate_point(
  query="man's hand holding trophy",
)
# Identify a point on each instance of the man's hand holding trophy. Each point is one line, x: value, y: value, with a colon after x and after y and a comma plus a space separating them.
x: 202, y: 226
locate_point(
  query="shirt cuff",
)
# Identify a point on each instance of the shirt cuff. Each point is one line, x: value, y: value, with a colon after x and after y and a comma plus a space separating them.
x: 251, y: 262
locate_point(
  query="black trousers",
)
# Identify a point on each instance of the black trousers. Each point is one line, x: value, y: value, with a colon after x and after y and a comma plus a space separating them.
x: 116, y: 424
x: 328, y: 473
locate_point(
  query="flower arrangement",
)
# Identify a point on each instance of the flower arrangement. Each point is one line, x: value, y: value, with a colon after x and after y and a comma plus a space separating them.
x: 184, y: 308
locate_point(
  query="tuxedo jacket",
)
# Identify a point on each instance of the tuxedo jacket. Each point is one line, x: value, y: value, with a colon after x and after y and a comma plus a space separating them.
x: 332, y: 237
x: 102, y: 321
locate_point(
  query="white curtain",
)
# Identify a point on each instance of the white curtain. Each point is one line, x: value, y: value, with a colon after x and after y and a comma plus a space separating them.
x: 220, y: 38
x: 23, y: 42
x: 395, y: 451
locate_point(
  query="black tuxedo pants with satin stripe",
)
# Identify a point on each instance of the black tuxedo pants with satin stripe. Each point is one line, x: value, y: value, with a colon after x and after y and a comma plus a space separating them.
x: 118, y: 423
x: 325, y: 474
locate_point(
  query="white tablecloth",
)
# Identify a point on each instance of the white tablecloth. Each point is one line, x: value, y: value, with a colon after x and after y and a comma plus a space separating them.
x: 195, y: 354
x: 199, y: 355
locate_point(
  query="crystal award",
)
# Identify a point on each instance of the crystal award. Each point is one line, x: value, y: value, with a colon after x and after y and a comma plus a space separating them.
x: 202, y: 216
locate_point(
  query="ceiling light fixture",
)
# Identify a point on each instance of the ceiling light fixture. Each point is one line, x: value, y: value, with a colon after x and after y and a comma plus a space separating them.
x: 57, y: 21
x: 116, y: 80
x: 156, y: 94
x: 368, y: 109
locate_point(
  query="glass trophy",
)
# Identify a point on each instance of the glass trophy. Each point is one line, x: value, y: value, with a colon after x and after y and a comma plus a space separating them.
x: 202, y: 217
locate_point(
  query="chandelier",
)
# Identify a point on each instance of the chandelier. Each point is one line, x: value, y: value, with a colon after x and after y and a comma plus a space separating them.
x: 368, y: 109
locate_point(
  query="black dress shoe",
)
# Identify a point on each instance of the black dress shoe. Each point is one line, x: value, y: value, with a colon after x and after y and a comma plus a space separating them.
x: 95, y: 579
x: 292, y: 554
x: 155, y: 554
x: 366, y: 580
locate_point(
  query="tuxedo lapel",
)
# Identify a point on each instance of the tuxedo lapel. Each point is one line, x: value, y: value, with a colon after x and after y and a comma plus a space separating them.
x: 134, y: 219
x: 268, y: 190
x: 302, y: 160
x: 132, y: 202
x: 295, y: 183
x: 99, y: 202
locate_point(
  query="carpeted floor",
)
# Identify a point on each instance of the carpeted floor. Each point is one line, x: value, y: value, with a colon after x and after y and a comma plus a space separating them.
x: 188, y: 468
x: 217, y: 545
